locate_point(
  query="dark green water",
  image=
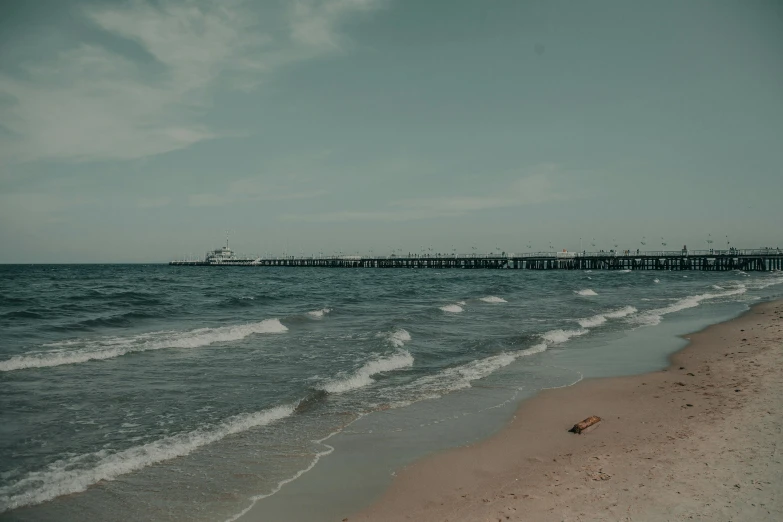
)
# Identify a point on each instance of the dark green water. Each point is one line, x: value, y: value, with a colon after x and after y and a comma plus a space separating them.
x: 169, y: 393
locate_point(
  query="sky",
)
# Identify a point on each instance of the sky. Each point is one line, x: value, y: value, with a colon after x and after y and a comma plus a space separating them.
x: 142, y: 131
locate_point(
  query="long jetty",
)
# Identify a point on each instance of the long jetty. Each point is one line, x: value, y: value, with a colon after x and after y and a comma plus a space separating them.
x: 765, y: 259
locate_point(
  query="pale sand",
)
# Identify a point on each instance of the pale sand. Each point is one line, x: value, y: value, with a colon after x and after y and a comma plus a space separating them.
x: 654, y: 456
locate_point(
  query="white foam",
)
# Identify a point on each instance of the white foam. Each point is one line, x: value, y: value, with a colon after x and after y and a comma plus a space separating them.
x: 655, y: 316
x: 626, y: 271
x: 454, y: 309
x: 318, y: 314
x: 656, y: 281
x: 716, y: 287
x: 585, y: 292
x: 111, y: 347
x: 493, y: 299
x: 561, y: 336
x: 398, y: 337
x: 67, y: 476
x: 363, y: 376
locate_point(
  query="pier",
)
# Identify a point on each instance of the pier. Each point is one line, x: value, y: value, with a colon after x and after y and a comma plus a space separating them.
x: 705, y: 260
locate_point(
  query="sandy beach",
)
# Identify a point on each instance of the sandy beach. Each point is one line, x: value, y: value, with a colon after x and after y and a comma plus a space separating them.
x: 699, y: 440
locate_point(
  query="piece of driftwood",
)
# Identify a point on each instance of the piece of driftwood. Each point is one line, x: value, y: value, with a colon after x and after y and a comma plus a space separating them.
x: 586, y: 425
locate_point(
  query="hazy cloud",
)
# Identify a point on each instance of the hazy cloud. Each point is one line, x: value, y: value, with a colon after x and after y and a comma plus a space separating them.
x: 541, y: 187
x: 90, y: 102
x: 154, y: 202
x: 250, y: 189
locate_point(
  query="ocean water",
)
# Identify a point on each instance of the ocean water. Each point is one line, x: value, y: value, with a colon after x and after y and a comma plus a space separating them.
x: 179, y: 393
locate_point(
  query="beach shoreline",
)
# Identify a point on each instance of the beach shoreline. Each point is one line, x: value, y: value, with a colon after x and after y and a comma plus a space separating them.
x: 698, y: 440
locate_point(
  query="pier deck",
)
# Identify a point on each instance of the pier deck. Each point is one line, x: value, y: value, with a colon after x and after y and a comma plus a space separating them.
x: 716, y: 260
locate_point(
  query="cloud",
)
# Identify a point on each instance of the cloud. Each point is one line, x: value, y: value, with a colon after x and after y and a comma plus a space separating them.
x: 91, y: 102
x: 544, y: 185
x: 251, y: 189
x: 154, y: 202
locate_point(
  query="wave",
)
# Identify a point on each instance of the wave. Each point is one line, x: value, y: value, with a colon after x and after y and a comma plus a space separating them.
x: 621, y: 312
x: 460, y: 377
x: 771, y: 281
x: 363, y: 376
x: 591, y: 322
x: 452, y: 308
x: 237, y: 302
x: 111, y: 347
x: 585, y: 292
x: 311, y: 401
x: 114, y: 321
x: 493, y: 299
x: 561, y: 336
x: 68, y: 476
x: 599, y: 319
x: 21, y: 314
x: 318, y: 314
x: 655, y: 316
x: 656, y: 280
x: 626, y: 271
x: 397, y: 338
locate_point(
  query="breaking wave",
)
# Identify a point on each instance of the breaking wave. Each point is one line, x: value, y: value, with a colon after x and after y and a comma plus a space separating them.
x: 655, y: 316
x: 452, y: 308
x: 591, y: 322
x: 599, y: 319
x: 77, y: 473
x: 397, y: 338
x: 585, y: 292
x: 111, y: 347
x: 460, y: 377
x: 318, y: 314
x: 561, y: 336
x: 766, y: 283
x: 363, y: 376
x: 622, y: 312
x: 493, y: 299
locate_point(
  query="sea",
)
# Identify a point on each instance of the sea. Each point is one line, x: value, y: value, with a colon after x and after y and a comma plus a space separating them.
x: 155, y: 392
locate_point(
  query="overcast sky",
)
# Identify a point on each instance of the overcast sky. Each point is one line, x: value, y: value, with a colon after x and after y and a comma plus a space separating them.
x: 143, y: 130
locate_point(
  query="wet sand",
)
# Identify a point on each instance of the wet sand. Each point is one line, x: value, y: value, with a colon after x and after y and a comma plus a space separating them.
x: 700, y: 440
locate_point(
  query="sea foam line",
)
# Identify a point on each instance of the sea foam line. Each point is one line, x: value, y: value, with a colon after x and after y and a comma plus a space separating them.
x: 111, y: 347
x: 61, y: 478
x: 316, y: 458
